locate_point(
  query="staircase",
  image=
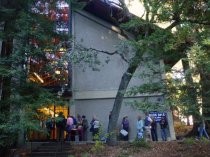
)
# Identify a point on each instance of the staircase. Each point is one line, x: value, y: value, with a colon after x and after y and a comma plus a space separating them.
x: 52, y: 149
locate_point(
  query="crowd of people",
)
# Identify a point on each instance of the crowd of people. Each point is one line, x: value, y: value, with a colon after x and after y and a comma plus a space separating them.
x: 78, y: 127
x: 74, y: 127
x: 146, y: 128
x: 71, y: 128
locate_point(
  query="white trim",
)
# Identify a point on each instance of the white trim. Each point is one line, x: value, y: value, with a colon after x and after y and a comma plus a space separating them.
x: 111, y: 94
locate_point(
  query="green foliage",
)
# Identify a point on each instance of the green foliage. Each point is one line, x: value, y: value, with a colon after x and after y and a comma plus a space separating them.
x: 85, y: 155
x: 146, y: 105
x: 185, y: 37
x: 21, y: 99
x: 98, y: 147
x: 124, y: 153
x: 204, y: 140
x: 82, y: 57
x: 189, y: 141
x: 146, y: 88
x: 99, y: 144
x: 184, y: 91
x: 137, y: 144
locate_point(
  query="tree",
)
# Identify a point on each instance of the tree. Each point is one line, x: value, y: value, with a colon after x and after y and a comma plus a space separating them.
x: 28, y: 38
x: 161, y: 43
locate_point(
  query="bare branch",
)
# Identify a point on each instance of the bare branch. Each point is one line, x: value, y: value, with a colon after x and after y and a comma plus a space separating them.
x: 172, y: 25
x: 107, y: 52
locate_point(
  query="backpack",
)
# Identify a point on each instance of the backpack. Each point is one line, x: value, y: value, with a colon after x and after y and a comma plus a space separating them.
x: 49, y: 124
x: 147, y: 122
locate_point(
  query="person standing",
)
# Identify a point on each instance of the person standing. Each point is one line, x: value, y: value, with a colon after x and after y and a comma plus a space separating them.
x: 147, y: 126
x: 85, y: 127
x: 125, y: 126
x: 60, y: 125
x: 91, y: 125
x: 80, y: 127
x: 163, y: 128
x: 154, y: 130
x: 69, y: 126
x: 50, y: 126
x: 140, y: 128
x: 96, y: 126
x: 202, y: 129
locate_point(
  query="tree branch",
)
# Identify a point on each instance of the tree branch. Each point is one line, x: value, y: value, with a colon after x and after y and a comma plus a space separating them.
x: 107, y: 52
x: 197, y: 22
x: 174, y: 24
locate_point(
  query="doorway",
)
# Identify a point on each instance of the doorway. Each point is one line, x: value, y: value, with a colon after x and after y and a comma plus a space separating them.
x: 49, y: 112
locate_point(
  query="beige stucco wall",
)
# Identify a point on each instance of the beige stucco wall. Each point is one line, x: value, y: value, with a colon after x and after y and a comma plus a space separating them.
x: 94, y: 91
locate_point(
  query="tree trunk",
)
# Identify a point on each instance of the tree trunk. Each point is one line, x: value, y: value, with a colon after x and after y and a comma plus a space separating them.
x: 192, y: 94
x: 205, y: 85
x: 7, y: 46
x: 5, y: 81
x: 112, y: 130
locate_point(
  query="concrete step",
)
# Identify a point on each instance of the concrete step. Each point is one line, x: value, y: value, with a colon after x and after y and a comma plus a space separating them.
x: 50, y: 154
x: 52, y: 149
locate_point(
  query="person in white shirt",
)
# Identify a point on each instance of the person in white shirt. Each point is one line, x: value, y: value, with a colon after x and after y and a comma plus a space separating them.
x: 96, y: 127
x: 140, y: 128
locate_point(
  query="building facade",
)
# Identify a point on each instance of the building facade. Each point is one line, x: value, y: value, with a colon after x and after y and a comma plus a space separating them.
x: 94, y: 92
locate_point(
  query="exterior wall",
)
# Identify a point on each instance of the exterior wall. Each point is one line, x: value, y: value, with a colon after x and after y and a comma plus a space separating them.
x: 99, y: 36
x: 101, y: 108
x: 94, y: 91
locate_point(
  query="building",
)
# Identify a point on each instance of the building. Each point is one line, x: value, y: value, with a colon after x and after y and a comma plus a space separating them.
x: 92, y: 92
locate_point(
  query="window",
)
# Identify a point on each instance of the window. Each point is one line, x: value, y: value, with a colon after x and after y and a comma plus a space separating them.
x: 52, y: 70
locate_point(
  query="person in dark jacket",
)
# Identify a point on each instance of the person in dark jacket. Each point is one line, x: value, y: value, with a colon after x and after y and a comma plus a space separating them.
x: 163, y: 127
x: 50, y: 125
x: 60, y: 125
x: 125, y: 126
x: 85, y: 127
x: 154, y: 130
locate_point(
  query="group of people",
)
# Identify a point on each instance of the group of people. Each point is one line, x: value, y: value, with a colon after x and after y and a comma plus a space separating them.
x: 70, y: 125
x: 74, y: 127
x: 78, y: 127
x: 146, y: 128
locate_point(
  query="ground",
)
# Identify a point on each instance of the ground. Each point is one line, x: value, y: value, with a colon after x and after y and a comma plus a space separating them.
x: 185, y: 148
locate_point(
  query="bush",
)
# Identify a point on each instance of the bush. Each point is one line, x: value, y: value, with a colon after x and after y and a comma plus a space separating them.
x: 181, y: 129
x: 204, y: 140
x: 98, y: 147
x: 189, y: 141
x: 136, y: 144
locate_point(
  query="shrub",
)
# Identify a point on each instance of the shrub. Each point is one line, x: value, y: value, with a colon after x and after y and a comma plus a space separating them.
x: 136, y: 144
x: 189, y: 141
x: 98, y: 146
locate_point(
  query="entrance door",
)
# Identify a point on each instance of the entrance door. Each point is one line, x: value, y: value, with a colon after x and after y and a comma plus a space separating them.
x: 46, y: 113
x: 56, y: 111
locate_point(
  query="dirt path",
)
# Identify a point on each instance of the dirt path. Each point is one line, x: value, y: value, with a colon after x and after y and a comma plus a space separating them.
x: 187, y: 148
